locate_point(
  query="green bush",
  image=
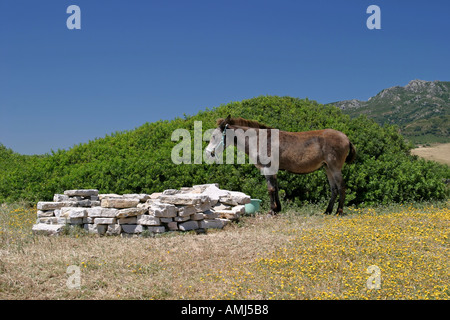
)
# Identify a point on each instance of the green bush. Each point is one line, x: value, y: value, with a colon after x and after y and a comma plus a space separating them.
x: 139, y: 161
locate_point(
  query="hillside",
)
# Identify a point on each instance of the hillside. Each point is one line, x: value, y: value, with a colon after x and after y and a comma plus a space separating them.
x: 439, y: 153
x: 139, y: 161
x: 421, y: 109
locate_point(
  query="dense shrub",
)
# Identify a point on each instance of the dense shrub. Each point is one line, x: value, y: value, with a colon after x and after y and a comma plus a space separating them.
x: 140, y: 160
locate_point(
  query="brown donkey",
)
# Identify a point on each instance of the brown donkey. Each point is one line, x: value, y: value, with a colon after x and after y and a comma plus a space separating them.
x: 298, y: 152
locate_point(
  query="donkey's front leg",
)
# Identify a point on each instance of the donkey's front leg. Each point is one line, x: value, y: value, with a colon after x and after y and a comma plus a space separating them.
x: 272, y: 187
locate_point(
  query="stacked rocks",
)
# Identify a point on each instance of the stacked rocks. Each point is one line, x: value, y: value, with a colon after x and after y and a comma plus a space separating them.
x: 199, y: 207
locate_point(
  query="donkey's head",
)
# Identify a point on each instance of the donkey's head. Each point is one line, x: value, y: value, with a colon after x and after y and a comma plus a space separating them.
x: 218, y: 138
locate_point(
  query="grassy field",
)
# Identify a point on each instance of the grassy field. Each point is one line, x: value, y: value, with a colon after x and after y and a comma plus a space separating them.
x: 439, y: 153
x: 298, y: 255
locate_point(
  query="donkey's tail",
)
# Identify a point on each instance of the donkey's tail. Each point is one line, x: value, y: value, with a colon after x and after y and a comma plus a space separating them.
x: 351, y: 154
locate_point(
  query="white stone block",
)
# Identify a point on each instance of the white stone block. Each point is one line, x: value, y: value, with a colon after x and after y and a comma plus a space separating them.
x: 130, y: 212
x: 108, y: 196
x: 47, y: 229
x: 184, y: 199
x: 155, y: 195
x: 203, y: 206
x: 99, y: 212
x: 48, y: 213
x: 142, y: 197
x: 147, y: 220
x: 240, y: 209
x: 216, y: 223
x: 163, y: 210
x: 73, y: 212
x: 188, y: 225
x: 184, y: 211
x: 48, y: 220
x: 60, y: 198
x: 47, y: 205
x: 228, y: 214
x: 119, y: 203
x: 81, y: 193
x: 214, y: 193
x: 104, y: 220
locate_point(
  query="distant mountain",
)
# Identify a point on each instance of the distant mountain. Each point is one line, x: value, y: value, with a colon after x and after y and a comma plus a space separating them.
x: 421, y: 109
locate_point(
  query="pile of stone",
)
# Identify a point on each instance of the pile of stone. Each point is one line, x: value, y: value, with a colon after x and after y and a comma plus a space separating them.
x: 196, y: 208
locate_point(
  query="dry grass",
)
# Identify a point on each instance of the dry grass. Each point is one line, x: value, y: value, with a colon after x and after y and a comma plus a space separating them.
x: 439, y: 153
x: 295, y: 256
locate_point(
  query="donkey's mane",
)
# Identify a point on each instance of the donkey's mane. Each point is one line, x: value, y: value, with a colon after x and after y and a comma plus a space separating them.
x: 244, y: 123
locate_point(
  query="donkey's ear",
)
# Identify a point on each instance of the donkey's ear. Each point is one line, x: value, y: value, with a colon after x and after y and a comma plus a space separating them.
x: 223, y: 122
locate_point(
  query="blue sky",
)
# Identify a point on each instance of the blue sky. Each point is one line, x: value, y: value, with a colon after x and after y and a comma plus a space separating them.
x: 136, y: 61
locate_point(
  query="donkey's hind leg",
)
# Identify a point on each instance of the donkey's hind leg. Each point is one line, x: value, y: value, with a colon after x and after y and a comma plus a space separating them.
x: 337, y: 186
x: 341, y: 188
x: 334, y: 191
x: 272, y: 187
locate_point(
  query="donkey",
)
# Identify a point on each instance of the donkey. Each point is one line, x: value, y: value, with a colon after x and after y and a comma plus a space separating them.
x: 298, y: 152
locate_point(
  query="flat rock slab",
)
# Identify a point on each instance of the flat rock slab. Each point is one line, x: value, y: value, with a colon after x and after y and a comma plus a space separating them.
x: 188, y: 225
x: 102, y: 196
x: 104, y: 220
x: 130, y: 212
x: 60, y: 197
x: 184, y: 199
x: 99, y: 212
x: 49, y: 205
x: 47, y: 229
x: 81, y: 193
x: 162, y: 210
x: 119, y: 203
x: 235, y: 198
x: 214, y: 193
x: 147, y: 220
x: 215, y: 224
x: 142, y: 197
x: 73, y: 212
x: 228, y: 214
x: 186, y: 211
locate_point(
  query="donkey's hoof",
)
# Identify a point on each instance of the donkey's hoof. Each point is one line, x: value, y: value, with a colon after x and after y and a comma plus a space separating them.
x: 340, y: 212
x: 271, y: 214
